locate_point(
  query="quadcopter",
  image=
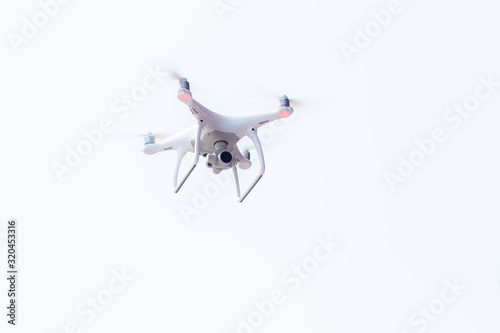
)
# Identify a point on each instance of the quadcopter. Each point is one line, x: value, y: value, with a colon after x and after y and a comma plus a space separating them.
x: 215, y: 136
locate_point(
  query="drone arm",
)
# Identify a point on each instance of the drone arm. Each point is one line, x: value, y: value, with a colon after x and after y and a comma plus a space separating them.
x: 196, y: 159
x: 252, y: 134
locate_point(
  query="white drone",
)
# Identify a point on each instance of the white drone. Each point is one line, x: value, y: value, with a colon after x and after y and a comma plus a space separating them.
x: 215, y: 136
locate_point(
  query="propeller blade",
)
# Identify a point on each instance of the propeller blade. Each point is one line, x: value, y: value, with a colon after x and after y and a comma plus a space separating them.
x: 134, y: 135
x: 259, y: 90
x: 296, y: 103
x: 176, y: 76
x: 293, y: 102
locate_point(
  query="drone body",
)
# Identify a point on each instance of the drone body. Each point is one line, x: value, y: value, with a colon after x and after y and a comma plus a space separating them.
x: 215, y: 136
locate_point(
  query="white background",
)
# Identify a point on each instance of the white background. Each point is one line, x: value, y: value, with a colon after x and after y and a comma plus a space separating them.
x: 325, y: 169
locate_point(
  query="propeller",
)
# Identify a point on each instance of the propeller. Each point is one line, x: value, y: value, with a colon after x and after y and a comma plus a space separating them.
x: 292, y: 102
x: 296, y: 103
x: 135, y: 135
x: 176, y: 76
x: 266, y: 93
x: 179, y: 78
